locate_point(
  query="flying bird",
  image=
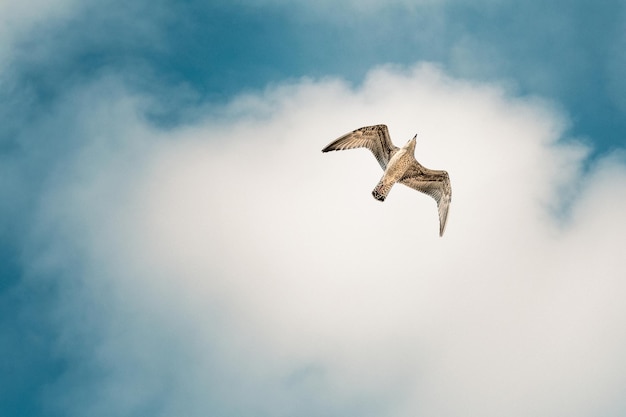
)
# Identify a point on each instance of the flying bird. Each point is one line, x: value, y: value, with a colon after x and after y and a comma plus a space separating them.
x: 399, y: 165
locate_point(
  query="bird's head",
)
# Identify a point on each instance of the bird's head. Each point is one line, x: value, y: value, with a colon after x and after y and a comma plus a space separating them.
x: 411, y: 143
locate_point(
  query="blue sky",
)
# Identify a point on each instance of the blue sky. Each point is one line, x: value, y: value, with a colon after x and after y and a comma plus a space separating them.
x: 141, y: 274
x: 220, y: 48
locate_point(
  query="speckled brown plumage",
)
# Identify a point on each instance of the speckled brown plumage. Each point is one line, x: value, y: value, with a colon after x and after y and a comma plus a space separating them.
x: 400, y: 166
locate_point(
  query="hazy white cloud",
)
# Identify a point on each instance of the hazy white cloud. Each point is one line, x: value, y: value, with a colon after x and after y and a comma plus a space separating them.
x: 367, y: 6
x: 231, y: 268
x: 19, y: 18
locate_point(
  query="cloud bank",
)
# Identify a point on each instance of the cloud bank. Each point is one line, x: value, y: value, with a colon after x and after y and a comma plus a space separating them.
x: 230, y: 268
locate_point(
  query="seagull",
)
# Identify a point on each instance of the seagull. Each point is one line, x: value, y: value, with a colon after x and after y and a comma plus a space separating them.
x: 399, y: 165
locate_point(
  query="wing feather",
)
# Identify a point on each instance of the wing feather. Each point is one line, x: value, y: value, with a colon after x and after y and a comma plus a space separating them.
x: 375, y: 138
x: 435, y: 184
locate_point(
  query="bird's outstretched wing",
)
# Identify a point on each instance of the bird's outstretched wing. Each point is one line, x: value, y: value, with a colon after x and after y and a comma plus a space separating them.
x: 375, y: 138
x: 434, y: 183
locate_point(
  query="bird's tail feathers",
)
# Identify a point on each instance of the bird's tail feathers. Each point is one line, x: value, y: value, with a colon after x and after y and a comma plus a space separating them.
x: 381, y: 190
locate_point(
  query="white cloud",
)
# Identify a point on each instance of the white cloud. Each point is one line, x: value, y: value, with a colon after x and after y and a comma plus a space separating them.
x: 232, y: 268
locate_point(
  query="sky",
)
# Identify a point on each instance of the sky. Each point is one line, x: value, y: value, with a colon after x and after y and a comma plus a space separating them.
x: 174, y: 243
